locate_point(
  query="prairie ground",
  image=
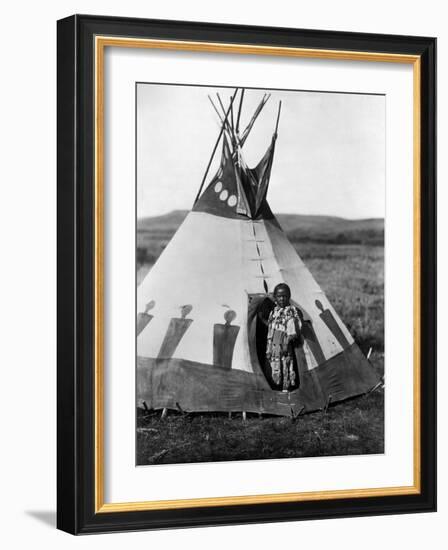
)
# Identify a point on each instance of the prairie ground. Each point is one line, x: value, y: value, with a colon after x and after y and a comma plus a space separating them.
x: 352, y: 276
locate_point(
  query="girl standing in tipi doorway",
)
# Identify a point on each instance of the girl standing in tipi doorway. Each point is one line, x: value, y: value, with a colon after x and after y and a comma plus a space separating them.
x: 283, y: 335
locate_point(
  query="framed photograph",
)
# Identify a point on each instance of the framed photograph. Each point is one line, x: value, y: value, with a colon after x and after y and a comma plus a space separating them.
x: 246, y: 274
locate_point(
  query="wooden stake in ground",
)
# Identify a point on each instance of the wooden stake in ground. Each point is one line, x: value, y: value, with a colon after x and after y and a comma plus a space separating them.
x: 327, y: 404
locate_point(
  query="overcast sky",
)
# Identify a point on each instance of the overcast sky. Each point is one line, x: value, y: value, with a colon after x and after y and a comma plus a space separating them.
x: 329, y: 157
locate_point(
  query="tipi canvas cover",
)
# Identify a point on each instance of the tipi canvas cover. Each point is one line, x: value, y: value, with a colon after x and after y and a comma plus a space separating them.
x: 200, y: 339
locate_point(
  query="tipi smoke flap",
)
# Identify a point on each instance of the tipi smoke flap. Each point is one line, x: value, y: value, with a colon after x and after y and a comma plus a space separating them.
x: 200, y: 337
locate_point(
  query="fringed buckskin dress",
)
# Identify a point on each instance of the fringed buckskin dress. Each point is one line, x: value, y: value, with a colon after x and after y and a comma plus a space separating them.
x: 283, y: 328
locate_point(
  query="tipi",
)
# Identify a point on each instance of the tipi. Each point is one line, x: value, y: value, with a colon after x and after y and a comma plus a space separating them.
x: 200, y: 341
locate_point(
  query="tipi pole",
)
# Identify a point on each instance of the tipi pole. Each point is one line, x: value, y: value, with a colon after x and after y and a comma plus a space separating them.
x: 221, y: 116
x: 239, y: 111
x: 254, y: 118
x: 216, y: 110
x: 215, y: 147
x: 278, y: 115
x: 230, y: 121
x: 221, y: 103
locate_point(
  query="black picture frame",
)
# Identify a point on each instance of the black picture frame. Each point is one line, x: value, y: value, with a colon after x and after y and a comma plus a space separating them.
x: 76, y: 510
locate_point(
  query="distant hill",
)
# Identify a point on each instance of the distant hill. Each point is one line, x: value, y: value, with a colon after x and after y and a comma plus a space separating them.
x: 168, y: 222
x: 298, y: 227
x: 332, y: 230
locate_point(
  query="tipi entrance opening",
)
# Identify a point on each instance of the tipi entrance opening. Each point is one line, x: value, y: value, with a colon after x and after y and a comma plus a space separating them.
x: 259, y: 308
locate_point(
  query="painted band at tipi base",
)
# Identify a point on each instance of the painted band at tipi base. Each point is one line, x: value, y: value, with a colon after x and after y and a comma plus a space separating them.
x: 201, y: 346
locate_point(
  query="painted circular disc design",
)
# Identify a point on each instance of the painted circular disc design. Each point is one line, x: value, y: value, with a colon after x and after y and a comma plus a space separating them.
x: 232, y: 200
x: 223, y: 196
x: 218, y: 186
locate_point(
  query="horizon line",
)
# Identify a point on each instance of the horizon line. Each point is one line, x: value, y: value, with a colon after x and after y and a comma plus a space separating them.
x: 275, y: 214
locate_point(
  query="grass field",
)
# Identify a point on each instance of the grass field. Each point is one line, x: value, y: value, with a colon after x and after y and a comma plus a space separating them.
x: 352, y: 276
x: 353, y: 427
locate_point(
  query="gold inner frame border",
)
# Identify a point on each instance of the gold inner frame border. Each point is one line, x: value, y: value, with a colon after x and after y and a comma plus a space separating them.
x: 100, y: 43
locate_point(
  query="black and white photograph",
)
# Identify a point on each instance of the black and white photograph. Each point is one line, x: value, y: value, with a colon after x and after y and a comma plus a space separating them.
x: 259, y: 273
